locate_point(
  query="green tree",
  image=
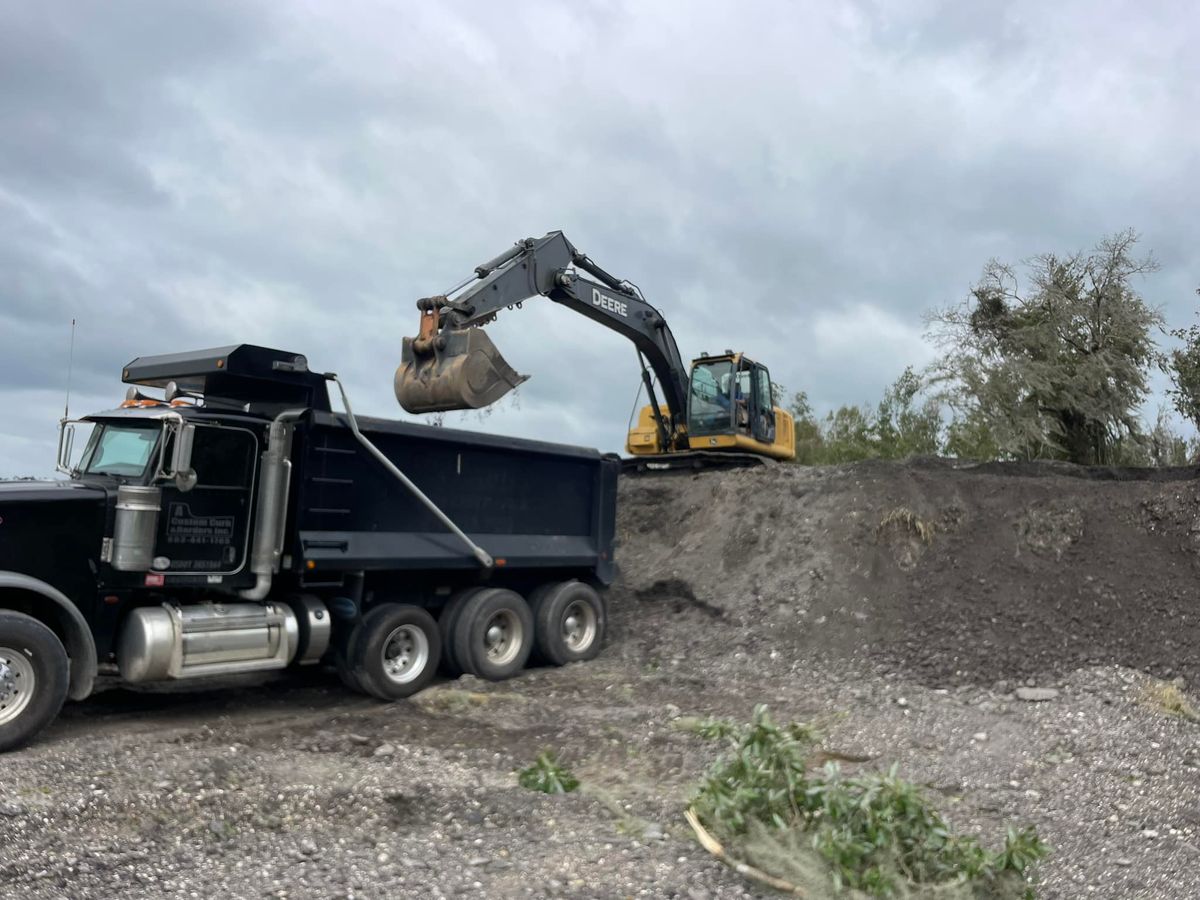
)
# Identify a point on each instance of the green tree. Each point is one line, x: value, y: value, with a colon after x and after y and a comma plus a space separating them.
x: 901, y: 425
x: 849, y: 435
x: 1159, y: 447
x: 969, y: 436
x: 1166, y: 447
x: 810, y: 443
x: 1183, y: 365
x: 904, y: 424
x: 1058, y: 370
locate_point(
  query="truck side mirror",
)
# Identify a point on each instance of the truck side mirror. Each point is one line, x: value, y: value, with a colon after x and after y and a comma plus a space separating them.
x: 66, y: 443
x: 181, y: 459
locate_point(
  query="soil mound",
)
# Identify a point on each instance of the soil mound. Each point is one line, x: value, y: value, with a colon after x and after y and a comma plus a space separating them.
x: 956, y: 573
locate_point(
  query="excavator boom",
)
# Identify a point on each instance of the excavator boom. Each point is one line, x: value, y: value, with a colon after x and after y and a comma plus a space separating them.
x: 452, y: 364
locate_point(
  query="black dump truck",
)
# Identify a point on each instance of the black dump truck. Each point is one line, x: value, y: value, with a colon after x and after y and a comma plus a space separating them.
x: 237, y: 523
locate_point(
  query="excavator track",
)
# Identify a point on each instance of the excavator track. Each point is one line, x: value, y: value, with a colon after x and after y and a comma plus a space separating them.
x: 692, y: 461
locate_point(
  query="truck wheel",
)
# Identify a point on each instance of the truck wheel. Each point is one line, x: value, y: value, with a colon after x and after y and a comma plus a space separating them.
x: 345, y: 668
x: 493, y: 635
x: 34, y: 677
x: 447, y: 622
x: 569, y: 622
x: 396, y: 652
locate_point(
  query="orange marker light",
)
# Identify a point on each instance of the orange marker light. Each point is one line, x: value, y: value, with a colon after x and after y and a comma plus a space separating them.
x: 310, y: 565
x: 502, y: 562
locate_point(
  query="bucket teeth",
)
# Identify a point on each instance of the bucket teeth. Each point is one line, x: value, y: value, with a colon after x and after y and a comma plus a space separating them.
x: 468, y: 372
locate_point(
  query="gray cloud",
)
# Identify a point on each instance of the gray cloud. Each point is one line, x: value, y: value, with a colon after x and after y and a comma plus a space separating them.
x: 800, y: 182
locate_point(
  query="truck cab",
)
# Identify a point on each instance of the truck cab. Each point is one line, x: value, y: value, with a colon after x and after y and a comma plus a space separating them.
x: 224, y: 519
x: 204, y: 495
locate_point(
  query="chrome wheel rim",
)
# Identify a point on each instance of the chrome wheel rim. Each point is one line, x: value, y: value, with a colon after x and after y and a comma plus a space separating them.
x: 17, y: 683
x: 405, y: 654
x: 503, y: 637
x: 579, y: 626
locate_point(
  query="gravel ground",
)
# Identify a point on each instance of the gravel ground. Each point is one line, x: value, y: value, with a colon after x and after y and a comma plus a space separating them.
x: 809, y: 603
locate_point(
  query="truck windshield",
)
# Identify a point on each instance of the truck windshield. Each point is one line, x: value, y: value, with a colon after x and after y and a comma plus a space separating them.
x: 119, y: 450
x: 709, y: 403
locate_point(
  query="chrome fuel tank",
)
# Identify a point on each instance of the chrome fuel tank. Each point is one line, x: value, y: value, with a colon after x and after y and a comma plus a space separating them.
x: 172, y: 641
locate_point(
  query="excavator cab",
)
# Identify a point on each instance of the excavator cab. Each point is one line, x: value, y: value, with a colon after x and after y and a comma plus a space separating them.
x: 730, y: 408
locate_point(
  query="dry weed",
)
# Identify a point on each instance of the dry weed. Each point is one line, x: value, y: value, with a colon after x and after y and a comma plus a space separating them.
x: 1168, y: 698
x: 907, y: 520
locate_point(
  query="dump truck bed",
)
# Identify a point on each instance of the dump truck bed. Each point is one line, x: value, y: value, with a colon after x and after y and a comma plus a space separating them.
x: 530, y: 504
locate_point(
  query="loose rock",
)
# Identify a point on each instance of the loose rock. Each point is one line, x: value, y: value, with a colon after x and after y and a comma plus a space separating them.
x: 1036, y: 694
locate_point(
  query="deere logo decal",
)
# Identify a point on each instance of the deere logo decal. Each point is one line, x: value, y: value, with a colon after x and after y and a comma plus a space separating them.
x: 612, y: 304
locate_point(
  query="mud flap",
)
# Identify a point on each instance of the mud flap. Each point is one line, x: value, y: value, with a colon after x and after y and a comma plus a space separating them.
x: 465, y: 372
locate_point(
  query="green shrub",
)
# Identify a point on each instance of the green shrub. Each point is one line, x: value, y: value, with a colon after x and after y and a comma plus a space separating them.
x: 902, y: 425
x: 874, y: 832
x: 547, y: 775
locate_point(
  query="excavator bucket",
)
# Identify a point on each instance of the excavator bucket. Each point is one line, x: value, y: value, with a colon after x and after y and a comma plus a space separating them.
x: 459, y: 369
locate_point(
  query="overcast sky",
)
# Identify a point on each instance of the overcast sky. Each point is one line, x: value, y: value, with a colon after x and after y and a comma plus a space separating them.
x: 796, y: 180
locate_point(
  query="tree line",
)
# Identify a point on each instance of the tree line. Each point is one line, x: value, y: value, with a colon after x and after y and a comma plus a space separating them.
x: 1050, y: 362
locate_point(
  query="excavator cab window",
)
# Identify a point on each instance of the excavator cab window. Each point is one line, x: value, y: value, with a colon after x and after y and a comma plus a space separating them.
x: 712, y: 398
x: 754, y: 413
x: 743, y: 397
x: 764, y: 406
x: 731, y: 398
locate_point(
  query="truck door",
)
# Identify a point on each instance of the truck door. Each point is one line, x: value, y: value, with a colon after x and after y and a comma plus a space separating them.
x: 207, y: 529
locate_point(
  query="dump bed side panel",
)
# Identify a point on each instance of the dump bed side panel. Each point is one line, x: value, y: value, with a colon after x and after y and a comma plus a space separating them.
x: 530, y: 504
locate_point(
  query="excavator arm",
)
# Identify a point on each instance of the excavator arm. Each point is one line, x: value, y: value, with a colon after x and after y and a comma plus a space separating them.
x: 452, y: 364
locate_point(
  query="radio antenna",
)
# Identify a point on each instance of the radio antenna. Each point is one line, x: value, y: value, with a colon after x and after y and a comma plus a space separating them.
x: 70, y: 364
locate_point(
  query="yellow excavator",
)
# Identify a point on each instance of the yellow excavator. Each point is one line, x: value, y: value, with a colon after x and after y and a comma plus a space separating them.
x: 720, y: 412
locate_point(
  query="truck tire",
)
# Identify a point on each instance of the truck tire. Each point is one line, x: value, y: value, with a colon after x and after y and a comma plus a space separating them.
x: 447, y: 622
x: 345, y: 668
x: 396, y: 651
x: 34, y: 677
x: 534, y: 599
x: 493, y: 634
x: 569, y: 622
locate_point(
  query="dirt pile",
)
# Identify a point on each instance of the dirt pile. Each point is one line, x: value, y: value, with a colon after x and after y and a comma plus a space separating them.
x: 952, y: 573
x: 881, y: 603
